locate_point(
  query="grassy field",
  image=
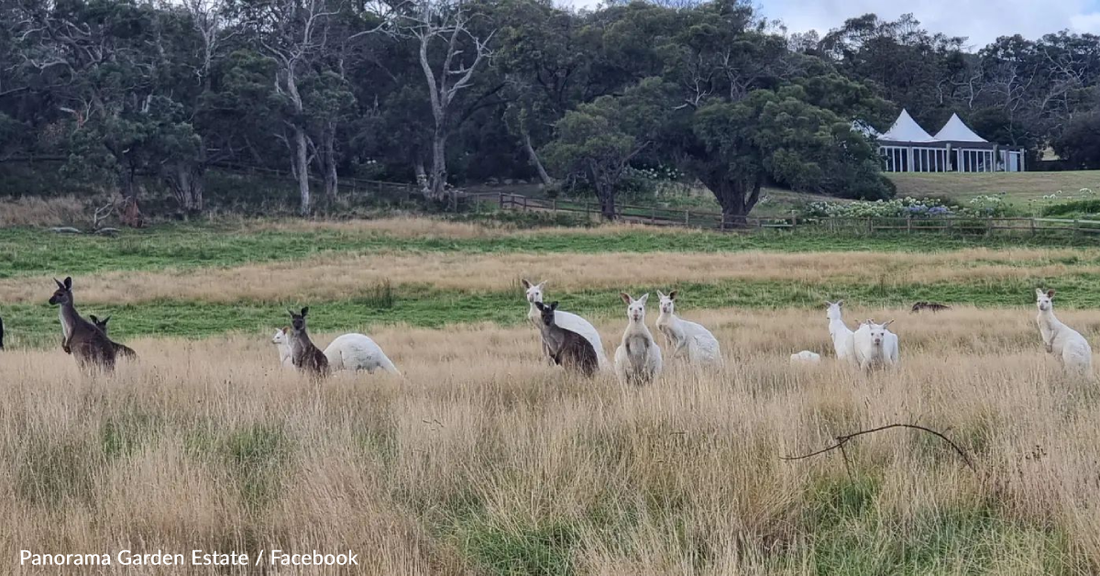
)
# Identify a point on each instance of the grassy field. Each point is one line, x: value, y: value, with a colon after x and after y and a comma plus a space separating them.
x: 483, y: 460
x: 1025, y: 190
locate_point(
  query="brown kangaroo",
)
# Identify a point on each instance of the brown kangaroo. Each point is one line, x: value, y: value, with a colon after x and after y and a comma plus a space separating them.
x: 80, y: 337
x: 303, y: 354
x: 566, y: 347
x: 119, y: 348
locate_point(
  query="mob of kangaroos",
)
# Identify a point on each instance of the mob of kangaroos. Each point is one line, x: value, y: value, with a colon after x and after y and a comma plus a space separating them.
x: 572, y: 342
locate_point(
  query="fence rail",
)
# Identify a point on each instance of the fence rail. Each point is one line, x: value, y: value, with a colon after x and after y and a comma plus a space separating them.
x: 714, y: 220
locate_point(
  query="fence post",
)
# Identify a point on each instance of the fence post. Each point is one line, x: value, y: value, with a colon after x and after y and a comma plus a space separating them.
x: 687, y: 217
x: 555, y: 205
x: 653, y: 215
x: 908, y: 223
x: 870, y: 225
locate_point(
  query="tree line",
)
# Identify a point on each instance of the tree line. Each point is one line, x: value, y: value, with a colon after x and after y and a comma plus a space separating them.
x: 442, y: 92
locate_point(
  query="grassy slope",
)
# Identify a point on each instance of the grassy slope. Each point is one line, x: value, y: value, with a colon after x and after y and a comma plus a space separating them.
x: 1023, y: 189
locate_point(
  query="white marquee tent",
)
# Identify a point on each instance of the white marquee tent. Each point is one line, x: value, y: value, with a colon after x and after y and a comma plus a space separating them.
x: 906, y: 147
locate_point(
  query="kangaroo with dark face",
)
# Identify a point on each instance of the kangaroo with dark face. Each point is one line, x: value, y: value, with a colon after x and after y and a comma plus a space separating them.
x: 567, y: 348
x: 119, y: 348
x: 79, y: 337
x: 303, y: 354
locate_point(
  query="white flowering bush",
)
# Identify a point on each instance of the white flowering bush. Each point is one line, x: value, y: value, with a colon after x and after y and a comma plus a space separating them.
x: 896, y: 208
x: 656, y: 174
x: 909, y: 207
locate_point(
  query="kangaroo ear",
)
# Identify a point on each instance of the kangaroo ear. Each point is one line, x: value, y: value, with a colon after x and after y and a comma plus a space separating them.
x: 291, y: 312
x: 554, y: 305
x: 888, y: 322
x: 672, y: 295
x: 68, y: 282
x: 661, y: 295
x: 541, y: 284
x: 526, y: 284
x: 626, y: 297
x: 1039, y: 292
x: 305, y: 311
x: 839, y: 302
x: 106, y: 320
x: 539, y: 305
x: 94, y: 319
x: 1050, y: 293
x: 59, y: 284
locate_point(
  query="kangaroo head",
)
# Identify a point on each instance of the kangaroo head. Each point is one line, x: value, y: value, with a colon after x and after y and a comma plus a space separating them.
x: 298, y: 320
x: 280, y: 336
x: 878, y: 332
x: 1044, y: 300
x: 668, y: 302
x: 101, y: 324
x: 64, y: 293
x: 534, y: 291
x: 547, y: 312
x: 635, y: 309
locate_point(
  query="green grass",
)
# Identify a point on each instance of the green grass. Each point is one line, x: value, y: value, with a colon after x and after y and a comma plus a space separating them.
x: 26, y: 252
x: 1024, y: 190
x: 851, y: 535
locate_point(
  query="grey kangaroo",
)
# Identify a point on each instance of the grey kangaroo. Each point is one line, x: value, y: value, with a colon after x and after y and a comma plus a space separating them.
x: 119, y: 348
x: 79, y: 337
x: 304, y: 355
x: 566, y: 347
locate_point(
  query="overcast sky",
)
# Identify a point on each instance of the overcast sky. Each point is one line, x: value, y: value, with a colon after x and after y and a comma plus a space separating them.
x: 982, y: 21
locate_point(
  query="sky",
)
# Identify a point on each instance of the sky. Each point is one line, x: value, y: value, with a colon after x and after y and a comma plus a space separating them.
x: 981, y: 21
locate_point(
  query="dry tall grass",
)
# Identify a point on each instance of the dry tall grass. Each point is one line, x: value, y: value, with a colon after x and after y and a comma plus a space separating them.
x: 35, y: 211
x: 486, y: 460
x: 342, y: 275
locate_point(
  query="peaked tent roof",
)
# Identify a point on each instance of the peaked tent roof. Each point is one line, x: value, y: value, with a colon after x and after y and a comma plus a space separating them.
x: 957, y: 131
x: 905, y: 129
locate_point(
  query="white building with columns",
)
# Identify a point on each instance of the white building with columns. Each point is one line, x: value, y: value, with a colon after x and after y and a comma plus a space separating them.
x: 906, y: 147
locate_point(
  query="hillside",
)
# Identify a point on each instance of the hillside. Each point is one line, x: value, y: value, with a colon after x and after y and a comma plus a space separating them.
x: 1019, y: 188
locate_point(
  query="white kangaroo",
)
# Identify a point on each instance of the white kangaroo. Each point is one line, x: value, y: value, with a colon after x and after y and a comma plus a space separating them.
x: 1061, y: 340
x: 638, y: 358
x: 685, y: 338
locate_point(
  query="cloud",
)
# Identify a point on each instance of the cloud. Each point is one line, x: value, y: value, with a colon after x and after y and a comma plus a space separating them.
x: 1085, y: 22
